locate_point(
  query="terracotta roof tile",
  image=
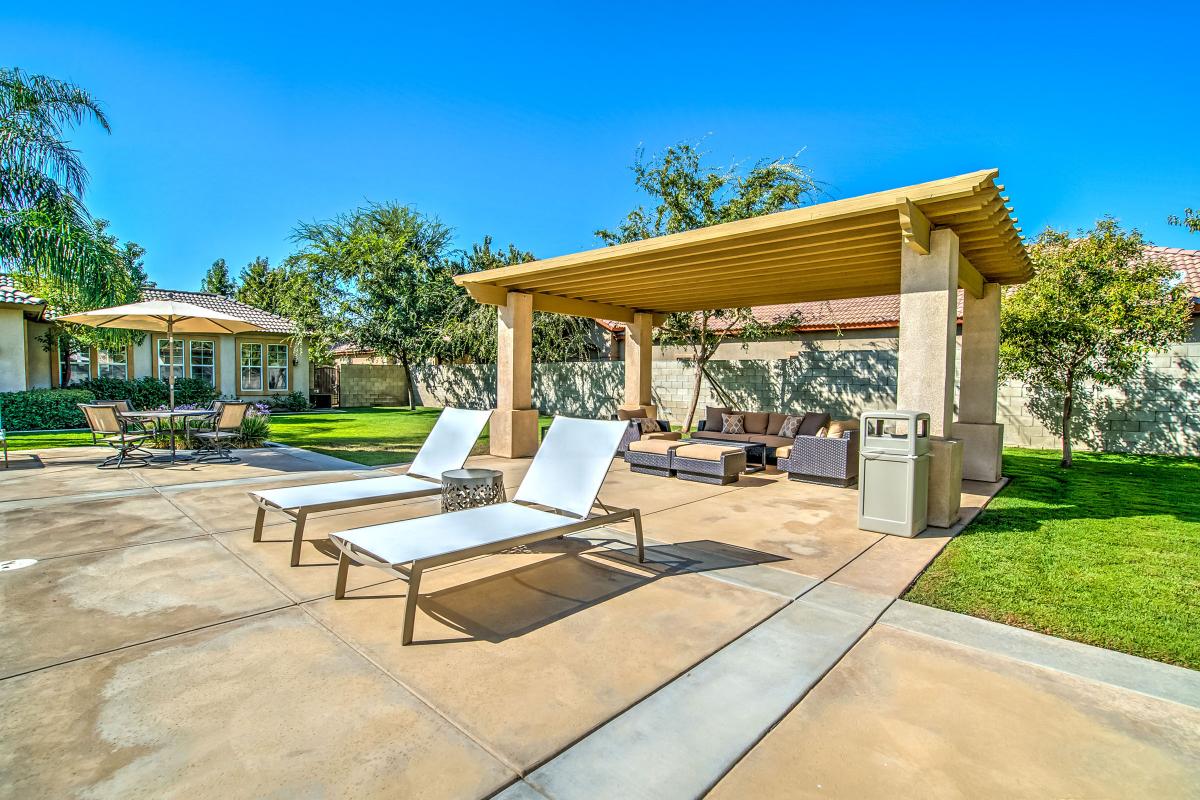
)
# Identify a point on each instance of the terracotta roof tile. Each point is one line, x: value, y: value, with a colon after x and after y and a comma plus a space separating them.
x: 272, y: 323
x: 9, y: 293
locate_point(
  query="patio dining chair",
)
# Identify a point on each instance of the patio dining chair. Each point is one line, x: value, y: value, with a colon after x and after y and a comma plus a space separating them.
x: 445, y: 448
x: 564, y: 478
x: 109, y: 428
x: 216, y: 443
x: 3, y: 440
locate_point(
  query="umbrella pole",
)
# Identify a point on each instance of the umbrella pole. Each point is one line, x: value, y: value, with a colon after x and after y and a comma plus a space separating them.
x: 171, y: 361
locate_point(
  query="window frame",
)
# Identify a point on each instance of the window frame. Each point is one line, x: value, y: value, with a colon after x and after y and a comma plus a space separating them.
x: 102, y: 353
x: 212, y: 365
x: 243, y: 367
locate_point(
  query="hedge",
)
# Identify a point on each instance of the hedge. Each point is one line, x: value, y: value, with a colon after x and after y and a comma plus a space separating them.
x: 148, y: 392
x: 43, y: 409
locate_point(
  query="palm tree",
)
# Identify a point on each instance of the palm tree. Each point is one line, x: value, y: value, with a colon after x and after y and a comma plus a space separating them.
x: 46, y: 234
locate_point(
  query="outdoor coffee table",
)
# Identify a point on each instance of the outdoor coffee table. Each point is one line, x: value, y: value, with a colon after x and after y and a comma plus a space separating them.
x: 471, y: 488
x: 170, y: 416
x: 756, y: 449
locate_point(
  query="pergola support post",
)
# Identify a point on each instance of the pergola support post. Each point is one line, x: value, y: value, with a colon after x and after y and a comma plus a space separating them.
x: 514, y: 424
x: 981, y: 435
x: 925, y: 380
x: 639, y: 364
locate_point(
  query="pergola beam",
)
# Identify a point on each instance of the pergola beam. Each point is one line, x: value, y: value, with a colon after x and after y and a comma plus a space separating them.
x: 914, y: 227
x: 498, y: 296
x: 969, y: 279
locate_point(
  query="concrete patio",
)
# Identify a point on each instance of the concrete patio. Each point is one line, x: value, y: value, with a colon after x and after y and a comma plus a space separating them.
x: 154, y: 650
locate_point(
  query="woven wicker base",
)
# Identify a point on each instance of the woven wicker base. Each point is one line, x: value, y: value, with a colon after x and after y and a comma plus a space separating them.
x: 822, y: 480
x: 644, y: 469
x: 698, y: 477
x: 649, y: 463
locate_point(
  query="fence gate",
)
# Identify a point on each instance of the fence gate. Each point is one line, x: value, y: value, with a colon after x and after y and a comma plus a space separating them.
x: 325, y: 387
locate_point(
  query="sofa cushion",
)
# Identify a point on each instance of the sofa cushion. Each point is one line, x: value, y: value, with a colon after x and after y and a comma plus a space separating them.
x: 774, y: 423
x: 712, y: 417
x: 812, y: 423
x: 783, y: 452
x: 728, y: 437
x: 659, y: 446
x: 733, y: 423
x: 647, y: 425
x: 626, y: 414
x: 670, y: 436
x: 756, y: 421
x: 771, y: 441
x: 706, y: 452
x: 839, y: 426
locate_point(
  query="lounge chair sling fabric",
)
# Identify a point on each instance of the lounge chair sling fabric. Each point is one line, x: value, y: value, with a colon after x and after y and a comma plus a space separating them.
x: 453, y: 436
x: 566, y: 476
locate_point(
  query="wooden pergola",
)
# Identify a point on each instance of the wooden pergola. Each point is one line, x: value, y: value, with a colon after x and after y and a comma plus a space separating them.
x: 923, y: 242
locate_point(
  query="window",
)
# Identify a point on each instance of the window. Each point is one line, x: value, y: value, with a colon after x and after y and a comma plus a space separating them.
x: 251, y: 361
x: 277, y: 367
x: 202, y: 359
x: 164, y: 358
x: 112, y: 363
x: 74, y: 362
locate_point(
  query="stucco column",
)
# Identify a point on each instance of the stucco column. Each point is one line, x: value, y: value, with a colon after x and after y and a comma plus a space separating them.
x: 514, y: 425
x: 639, y: 363
x: 982, y: 437
x: 925, y: 380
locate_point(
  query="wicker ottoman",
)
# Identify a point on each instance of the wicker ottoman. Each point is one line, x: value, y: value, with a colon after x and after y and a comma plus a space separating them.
x: 708, y: 463
x: 651, y: 457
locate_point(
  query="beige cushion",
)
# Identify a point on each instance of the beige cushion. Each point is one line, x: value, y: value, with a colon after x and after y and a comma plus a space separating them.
x: 626, y: 414
x: 771, y: 441
x: 660, y: 446
x: 712, y: 417
x: 705, y: 452
x: 756, y: 421
x: 783, y: 452
x: 774, y: 423
x: 673, y: 436
x: 729, y: 437
x: 733, y: 423
x: 840, y: 426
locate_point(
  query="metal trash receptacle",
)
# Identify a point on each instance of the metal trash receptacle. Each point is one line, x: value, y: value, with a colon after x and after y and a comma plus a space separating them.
x: 893, y: 472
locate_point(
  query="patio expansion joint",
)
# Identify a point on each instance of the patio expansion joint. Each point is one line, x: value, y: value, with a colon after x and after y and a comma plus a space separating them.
x: 1087, y: 662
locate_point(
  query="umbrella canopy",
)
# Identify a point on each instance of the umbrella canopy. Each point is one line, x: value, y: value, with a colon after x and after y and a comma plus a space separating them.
x: 162, y: 315
x: 169, y: 316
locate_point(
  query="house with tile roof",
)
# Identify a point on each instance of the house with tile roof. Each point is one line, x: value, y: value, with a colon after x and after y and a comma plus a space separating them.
x: 251, y: 365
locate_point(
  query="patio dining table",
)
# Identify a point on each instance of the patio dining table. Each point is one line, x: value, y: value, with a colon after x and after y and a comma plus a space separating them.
x: 170, y: 416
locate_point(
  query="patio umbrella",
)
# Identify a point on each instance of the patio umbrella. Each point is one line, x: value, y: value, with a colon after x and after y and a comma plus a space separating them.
x: 168, y: 316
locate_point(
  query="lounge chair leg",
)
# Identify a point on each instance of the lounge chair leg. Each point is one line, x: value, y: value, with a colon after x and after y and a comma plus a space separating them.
x: 339, y: 590
x: 298, y: 537
x: 637, y: 530
x: 258, y: 523
x: 410, y: 603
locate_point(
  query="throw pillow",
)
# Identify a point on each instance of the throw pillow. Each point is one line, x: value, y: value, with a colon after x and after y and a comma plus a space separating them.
x: 812, y: 423
x: 756, y: 421
x: 732, y: 423
x: 822, y: 434
x: 648, y: 425
x: 789, y: 427
x: 626, y: 414
x: 840, y: 426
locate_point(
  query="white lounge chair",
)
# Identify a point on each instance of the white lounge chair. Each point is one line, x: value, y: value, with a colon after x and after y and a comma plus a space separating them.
x: 446, y: 448
x: 565, y: 477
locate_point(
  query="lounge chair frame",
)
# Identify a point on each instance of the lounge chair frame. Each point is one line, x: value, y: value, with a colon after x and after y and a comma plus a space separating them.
x: 300, y: 513
x: 413, y: 572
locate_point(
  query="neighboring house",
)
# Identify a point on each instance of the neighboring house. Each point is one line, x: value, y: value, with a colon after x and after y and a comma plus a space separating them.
x: 249, y: 365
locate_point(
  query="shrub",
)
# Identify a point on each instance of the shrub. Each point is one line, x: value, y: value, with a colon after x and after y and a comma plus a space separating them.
x: 293, y: 401
x: 43, y: 409
x: 256, y: 428
x: 150, y: 393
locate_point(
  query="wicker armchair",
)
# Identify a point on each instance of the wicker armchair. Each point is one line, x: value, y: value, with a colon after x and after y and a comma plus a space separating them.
x: 633, y: 433
x: 817, y: 459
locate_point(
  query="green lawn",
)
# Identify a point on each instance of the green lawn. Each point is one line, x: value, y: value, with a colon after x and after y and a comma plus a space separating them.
x: 363, y: 435
x: 39, y: 441
x: 1107, y: 552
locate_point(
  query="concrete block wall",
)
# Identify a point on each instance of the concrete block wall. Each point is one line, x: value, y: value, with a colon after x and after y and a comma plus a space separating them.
x: 372, y: 385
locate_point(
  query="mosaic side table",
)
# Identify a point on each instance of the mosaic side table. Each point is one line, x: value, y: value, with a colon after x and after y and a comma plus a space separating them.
x: 471, y: 488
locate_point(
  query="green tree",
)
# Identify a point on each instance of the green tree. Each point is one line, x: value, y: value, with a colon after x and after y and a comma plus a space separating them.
x: 46, y: 236
x: 384, y: 265
x: 1189, y: 220
x: 1096, y: 306
x: 687, y: 195
x: 261, y: 286
x: 467, y: 330
x: 218, y: 280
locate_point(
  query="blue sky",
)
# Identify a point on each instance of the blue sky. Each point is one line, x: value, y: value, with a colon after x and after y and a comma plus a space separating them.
x: 231, y: 123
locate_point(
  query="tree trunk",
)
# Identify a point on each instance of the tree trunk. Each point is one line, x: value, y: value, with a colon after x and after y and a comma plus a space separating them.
x: 695, y: 396
x: 408, y: 380
x: 1068, y: 403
